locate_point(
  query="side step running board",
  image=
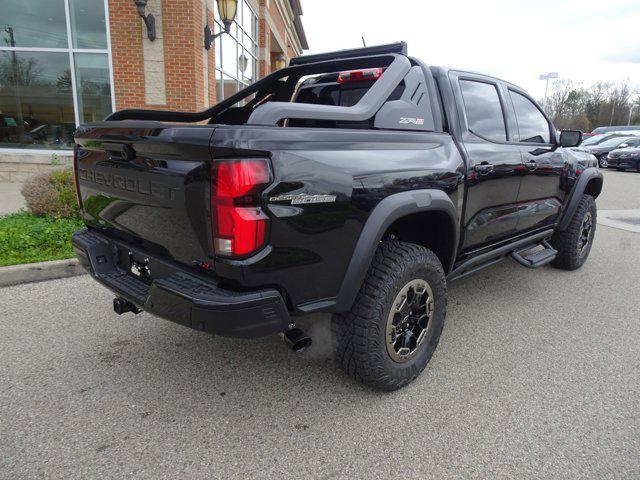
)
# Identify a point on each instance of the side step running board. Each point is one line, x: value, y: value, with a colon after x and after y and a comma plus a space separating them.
x: 491, y: 257
x: 537, y: 258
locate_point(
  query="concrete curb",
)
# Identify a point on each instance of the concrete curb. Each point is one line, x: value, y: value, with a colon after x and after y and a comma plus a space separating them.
x: 37, y: 272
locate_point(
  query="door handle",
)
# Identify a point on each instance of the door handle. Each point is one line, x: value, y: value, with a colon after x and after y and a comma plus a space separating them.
x: 483, y: 168
x: 531, y: 164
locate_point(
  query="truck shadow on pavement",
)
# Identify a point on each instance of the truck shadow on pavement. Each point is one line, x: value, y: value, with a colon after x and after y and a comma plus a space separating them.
x: 158, y: 359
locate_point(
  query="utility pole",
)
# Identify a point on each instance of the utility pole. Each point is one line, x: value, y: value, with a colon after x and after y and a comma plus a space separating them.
x: 16, y: 80
x: 547, y: 77
x: 631, y: 109
x: 613, y: 109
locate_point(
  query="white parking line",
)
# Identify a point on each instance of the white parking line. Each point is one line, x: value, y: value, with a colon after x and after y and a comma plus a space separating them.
x: 623, y: 219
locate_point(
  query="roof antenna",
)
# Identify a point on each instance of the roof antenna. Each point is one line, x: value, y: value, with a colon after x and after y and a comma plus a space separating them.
x: 363, y: 43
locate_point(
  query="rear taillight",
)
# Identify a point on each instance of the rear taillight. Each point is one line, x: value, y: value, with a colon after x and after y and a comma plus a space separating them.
x: 239, y: 223
x: 76, y: 180
x: 359, y: 75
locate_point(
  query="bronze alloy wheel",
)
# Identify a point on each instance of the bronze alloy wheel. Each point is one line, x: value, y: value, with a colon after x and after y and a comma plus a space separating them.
x: 408, y: 320
x: 585, y: 233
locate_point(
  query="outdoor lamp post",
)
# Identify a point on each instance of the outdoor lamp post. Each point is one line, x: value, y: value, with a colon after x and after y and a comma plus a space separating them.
x: 243, y: 62
x: 547, y: 77
x: 227, y: 10
x: 281, y: 61
x: 149, y: 19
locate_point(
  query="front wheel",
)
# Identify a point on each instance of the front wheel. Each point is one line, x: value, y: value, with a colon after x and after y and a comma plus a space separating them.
x: 574, y: 243
x: 602, y: 161
x: 394, y: 325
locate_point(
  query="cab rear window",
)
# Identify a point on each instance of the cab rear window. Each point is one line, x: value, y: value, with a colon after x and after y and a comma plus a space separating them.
x: 335, y: 94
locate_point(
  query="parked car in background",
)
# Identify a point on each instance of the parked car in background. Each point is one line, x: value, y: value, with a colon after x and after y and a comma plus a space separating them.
x: 625, y: 158
x: 52, y: 135
x: 619, y: 128
x: 599, y: 138
x: 611, y: 129
x: 9, y: 130
x: 601, y: 150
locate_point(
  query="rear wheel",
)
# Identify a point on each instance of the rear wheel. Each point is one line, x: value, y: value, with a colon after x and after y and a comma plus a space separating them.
x: 574, y: 243
x: 393, y: 328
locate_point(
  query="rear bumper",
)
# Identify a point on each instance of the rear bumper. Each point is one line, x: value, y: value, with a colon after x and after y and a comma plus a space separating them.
x: 179, y: 294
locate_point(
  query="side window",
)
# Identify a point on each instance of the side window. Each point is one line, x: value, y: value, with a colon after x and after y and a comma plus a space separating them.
x: 483, y: 110
x: 532, y: 125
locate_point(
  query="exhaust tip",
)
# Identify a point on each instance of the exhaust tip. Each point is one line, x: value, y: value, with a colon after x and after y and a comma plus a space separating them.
x: 297, y: 340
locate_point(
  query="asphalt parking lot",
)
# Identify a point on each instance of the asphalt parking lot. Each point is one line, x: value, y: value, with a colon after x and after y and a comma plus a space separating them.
x: 537, y: 376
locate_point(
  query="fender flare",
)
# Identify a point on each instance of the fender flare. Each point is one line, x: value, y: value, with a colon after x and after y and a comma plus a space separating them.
x: 575, y: 195
x: 381, y: 218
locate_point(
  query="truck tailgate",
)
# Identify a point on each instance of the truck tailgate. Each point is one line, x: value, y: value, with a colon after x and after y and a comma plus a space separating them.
x: 147, y: 182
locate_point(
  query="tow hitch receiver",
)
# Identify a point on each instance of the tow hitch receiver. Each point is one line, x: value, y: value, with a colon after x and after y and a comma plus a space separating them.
x: 120, y: 306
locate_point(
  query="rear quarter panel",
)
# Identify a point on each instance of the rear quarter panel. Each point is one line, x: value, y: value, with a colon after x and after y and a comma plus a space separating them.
x: 311, y: 244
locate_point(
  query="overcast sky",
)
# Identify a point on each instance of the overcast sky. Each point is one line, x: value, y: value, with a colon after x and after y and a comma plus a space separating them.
x: 583, y: 40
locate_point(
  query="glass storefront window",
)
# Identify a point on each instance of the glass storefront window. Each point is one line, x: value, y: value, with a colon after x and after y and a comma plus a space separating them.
x: 33, y: 23
x: 88, y: 25
x: 36, y: 101
x: 229, y: 86
x: 236, y: 53
x: 37, y: 94
x: 92, y: 84
x: 249, y: 22
x: 229, y: 54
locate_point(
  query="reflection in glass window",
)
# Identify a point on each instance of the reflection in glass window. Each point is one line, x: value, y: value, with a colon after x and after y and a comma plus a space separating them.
x: 36, y: 100
x: 88, y: 26
x: 229, y: 54
x: 229, y: 86
x: 245, y: 65
x: 483, y: 110
x: 32, y: 23
x: 218, y: 54
x: 36, y: 88
x: 532, y: 125
x: 94, y: 89
x: 248, y: 22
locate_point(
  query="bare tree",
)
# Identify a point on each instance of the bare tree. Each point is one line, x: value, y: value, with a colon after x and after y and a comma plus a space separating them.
x: 587, y: 108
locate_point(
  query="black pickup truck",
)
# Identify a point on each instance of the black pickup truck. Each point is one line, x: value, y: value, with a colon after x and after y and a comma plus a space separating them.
x: 357, y: 182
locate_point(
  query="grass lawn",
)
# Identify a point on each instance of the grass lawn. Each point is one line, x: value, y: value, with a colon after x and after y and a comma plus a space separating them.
x: 25, y: 238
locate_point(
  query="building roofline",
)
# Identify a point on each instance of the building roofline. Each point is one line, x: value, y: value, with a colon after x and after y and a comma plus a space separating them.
x: 296, y: 6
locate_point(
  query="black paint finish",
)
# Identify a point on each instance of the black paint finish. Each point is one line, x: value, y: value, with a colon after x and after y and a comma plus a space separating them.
x: 148, y: 184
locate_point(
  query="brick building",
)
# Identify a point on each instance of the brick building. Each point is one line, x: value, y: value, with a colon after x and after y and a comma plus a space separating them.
x: 66, y: 62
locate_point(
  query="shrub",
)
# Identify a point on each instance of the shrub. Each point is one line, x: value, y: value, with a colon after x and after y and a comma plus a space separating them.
x: 51, y: 194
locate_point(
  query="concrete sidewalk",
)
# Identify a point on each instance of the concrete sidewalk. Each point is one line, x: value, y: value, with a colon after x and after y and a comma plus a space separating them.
x: 11, y: 199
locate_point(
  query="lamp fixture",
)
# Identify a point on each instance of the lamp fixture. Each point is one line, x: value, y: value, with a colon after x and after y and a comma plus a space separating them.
x: 227, y: 11
x: 243, y: 62
x: 149, y: 19
x: 281, y: 61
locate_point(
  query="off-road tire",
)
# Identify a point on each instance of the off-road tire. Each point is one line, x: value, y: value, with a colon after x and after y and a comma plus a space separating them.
x: 566, y: 241
x: 360, y: 335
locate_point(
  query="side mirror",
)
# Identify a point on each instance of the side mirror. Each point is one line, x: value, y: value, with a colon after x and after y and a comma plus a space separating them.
x: 624, y: 145
x: 570, y: 138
